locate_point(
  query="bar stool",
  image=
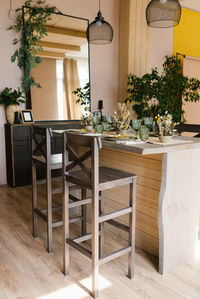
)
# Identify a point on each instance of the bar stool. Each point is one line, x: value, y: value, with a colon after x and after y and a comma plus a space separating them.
x: 97, y: 179
x: 41, y: 154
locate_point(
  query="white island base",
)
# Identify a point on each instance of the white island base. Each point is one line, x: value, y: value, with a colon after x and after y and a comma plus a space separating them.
x: 178, y: 210
x: 168, y: 197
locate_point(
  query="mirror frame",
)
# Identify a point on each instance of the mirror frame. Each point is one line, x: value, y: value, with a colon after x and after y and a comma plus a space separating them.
x: 28, y: 94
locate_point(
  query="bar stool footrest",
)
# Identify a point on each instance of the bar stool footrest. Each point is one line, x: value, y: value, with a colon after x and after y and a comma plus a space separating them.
x: 80, y: 248
x: 114, y: 255
x: 84, y: 238
x: 112, y: 215
x: 118, y: 225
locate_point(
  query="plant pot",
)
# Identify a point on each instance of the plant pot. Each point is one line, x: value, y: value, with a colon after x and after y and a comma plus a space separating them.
x: 10, y: 113
x: 165, y: 139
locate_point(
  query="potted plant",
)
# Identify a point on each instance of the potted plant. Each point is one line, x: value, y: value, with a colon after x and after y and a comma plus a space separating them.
x: 165, y: 127
x: 142, y: 93
x: 11, y: 99
x: 154, y: 94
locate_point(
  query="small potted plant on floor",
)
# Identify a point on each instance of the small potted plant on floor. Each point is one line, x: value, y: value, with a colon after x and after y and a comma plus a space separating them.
x: 11, y: 99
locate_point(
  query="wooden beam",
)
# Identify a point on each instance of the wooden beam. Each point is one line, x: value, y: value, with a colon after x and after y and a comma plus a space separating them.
x: 65, y: 31
x: 59, y: 46
x: 51, y: 54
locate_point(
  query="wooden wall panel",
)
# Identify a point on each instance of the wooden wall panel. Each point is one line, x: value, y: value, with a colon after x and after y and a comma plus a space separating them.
x: 148, y: 170
x: 133, y: 42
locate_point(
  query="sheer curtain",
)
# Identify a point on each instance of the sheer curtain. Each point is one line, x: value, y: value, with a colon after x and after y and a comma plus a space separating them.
x: 71, y: 82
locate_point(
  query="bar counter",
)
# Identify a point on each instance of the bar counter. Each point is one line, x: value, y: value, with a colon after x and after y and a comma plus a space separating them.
x: 168, y: 196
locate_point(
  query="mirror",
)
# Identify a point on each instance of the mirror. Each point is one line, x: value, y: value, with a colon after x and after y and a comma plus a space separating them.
x: 64, y: 67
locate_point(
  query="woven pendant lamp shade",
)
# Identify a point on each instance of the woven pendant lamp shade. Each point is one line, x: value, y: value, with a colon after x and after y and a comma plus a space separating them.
x: 99, y: 32
x: 163, y: 13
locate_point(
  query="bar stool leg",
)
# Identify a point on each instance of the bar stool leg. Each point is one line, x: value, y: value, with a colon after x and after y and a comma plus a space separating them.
x: 132, y: 203
x: 49, y: 210
x: 66, y: 228
x: 101, y: 226
x: 34, y: 199
x: 95, y: 243
x: 84, y: 213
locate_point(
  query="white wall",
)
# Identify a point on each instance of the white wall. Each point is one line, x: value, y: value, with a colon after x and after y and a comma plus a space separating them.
x: 104, y: 59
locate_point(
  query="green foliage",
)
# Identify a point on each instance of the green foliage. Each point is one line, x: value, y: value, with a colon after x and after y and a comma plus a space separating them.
x: 11, y: 97
x: 31, y: 31
x: 153, y: 94
x: 83, y: 95
x: 141, y: 91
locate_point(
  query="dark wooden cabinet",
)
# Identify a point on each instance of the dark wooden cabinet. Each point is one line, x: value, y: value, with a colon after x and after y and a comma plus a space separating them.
x: 18, y: 150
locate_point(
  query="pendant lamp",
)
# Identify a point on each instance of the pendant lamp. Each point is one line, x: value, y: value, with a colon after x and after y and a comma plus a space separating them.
x: 163, y: 13
x: 99, y: 32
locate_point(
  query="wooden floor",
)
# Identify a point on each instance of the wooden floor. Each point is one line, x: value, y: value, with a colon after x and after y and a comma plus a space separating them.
x: 28, y: 271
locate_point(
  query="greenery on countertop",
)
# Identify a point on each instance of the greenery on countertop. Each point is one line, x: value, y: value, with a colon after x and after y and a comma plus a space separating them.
x: 154, y: 94
x: 11, y: 97
x: 31, y: 31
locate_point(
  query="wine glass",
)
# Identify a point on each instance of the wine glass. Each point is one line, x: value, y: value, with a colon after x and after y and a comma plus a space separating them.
x: 136, y: 124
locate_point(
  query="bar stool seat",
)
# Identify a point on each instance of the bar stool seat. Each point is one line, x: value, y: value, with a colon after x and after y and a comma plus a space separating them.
x: 108, y: 178
x: 97, y: 179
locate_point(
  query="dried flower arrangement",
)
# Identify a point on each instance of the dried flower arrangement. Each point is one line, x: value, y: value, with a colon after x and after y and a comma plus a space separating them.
x: 121, y: 118
x: 86, y: 119
x: 165, y: 124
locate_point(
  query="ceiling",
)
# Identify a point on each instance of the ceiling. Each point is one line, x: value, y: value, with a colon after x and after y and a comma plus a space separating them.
x: 191, y: 4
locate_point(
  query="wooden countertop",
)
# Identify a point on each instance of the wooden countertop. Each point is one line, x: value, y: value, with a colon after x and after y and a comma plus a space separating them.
x: 149, y: 148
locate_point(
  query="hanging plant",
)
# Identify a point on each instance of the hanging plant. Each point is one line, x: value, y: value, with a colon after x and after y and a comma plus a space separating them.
x: 30, y: 25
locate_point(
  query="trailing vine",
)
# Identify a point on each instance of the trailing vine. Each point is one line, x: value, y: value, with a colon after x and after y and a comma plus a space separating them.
x: 30, y: 25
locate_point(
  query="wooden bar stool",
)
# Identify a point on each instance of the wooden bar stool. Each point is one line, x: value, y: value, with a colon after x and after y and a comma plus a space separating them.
x: 41, y: 154
x: 97, y: 179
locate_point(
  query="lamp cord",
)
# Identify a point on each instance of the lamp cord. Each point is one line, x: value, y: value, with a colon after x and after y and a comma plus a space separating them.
x: 99, y: 5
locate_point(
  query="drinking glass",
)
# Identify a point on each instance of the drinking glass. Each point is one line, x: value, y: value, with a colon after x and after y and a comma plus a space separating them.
x: 136, y: 124
x: 109, y: 119
x: 144, y: 133
x: 99, y: 128
x: 148, y: 122
x: 95, y: 120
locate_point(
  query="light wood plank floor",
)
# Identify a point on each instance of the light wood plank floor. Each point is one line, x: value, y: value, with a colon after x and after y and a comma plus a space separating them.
x: 27, y: 271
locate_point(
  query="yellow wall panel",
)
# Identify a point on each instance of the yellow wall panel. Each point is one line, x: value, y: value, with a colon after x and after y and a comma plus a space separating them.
x: 187, y: 34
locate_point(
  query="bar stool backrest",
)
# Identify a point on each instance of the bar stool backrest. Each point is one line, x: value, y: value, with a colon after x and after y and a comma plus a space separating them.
x: 93, y: 144
x: 41, y: 142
